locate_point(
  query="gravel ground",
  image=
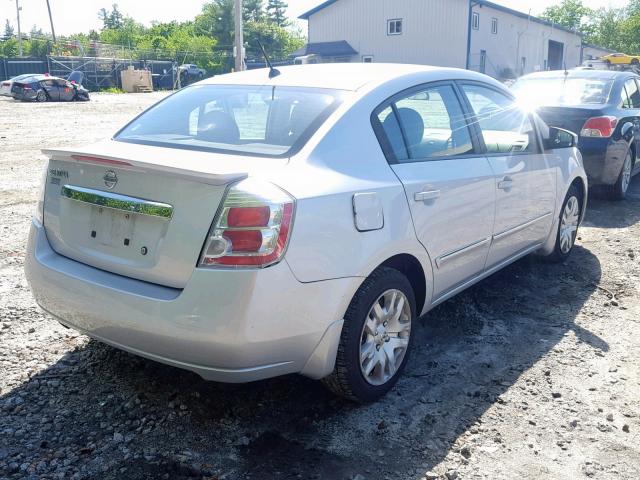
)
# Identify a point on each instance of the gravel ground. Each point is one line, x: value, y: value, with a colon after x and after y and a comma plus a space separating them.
x: 532, y: 374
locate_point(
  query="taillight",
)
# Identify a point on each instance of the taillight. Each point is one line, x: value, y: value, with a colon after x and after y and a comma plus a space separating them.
x: 252, y: 227
x: 39, y: 213
x: 599, y: 127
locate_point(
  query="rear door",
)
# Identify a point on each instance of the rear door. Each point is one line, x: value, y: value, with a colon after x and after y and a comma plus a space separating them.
x: 52, y: 89
x: 631, y: 110
x: 448, y: 183
x: 525, y: 182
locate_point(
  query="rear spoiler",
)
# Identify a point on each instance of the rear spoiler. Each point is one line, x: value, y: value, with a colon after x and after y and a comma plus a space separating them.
x: 209, y: 171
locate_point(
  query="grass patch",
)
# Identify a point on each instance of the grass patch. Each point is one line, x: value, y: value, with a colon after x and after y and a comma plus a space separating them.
x: 112, y: 90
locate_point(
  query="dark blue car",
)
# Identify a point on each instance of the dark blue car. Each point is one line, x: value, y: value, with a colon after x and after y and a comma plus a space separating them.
x: 603, y: 108
x: 45, y: 88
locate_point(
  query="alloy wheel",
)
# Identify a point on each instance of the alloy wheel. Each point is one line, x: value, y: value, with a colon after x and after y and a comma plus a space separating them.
x: 385, y: 337
x: 569, y: 224
x: 626, y: 173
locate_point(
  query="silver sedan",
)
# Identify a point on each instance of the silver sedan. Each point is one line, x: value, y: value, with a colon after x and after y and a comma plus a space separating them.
x: 255, y: 225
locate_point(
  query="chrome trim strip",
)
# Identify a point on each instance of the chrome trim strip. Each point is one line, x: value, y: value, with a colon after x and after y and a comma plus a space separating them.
x: 115, y: 201
x: 441, y: 260
x: 448, y: 294
x: 519, y: 228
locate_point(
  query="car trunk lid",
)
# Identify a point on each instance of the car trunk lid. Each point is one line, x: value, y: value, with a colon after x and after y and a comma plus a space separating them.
x: 569, y: 118
x: 136, y: 210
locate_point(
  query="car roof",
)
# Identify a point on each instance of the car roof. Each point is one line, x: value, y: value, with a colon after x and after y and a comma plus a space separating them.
x: 580, y: 73
x: 24, y: 75
x: 339, y: 76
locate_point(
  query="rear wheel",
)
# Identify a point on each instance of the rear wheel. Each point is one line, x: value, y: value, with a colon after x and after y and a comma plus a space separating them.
x: 635, y: 61
x: 619, y: 189
x: 41, y: 96
x: 567, y: 226
x: 376, y: 337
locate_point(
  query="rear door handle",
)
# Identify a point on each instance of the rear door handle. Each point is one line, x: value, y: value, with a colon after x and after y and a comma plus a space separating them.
x: 506, y: 183
x: 426, y: 195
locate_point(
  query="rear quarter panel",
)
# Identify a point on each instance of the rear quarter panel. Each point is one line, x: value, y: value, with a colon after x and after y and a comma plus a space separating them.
x: 343, y: 159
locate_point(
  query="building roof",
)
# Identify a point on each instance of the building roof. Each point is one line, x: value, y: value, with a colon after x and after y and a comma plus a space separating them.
x: 531, y: 18
x: 326, y: 49
x: 306, y: 15
x: 598, y: 47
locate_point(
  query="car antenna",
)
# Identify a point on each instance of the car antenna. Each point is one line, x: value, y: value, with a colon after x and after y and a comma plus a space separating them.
x: 273, y: 72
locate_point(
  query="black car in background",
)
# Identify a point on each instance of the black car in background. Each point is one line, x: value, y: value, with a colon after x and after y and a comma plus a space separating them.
x: 45, y: 88
x: 603, y: 108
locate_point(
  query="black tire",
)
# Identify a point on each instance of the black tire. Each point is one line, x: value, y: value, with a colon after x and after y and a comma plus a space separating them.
x: 560, y: 255
x: 41, y: 96
x: 618, y: 191
x: 608, y: 63
x: 347, y: 379
x: 635, y: 61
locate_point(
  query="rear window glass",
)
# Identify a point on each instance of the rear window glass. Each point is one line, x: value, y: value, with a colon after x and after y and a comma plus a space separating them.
x: 563, y: 91
x: 252, y: 120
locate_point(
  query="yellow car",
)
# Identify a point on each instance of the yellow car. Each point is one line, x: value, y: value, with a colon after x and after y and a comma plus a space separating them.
x: 621, y: 59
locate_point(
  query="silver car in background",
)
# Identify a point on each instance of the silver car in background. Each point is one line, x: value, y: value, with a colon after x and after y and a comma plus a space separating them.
x: 248, y: 227
x: 5, y: 86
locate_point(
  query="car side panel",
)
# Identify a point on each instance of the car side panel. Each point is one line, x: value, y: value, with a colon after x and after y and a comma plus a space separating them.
x: 325, y: 242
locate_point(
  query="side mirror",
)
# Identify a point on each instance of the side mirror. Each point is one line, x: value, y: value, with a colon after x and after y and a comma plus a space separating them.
x: 559, y: 138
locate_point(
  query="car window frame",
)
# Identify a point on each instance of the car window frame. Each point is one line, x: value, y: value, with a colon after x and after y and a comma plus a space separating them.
x: 384, y: 142
x: 476, y: 125
x: 629, y: 98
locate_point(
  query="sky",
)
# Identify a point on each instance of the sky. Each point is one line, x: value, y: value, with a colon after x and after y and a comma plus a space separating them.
x: 72, y: 16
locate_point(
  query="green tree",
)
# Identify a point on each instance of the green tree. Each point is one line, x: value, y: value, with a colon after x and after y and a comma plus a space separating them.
x: 277, y: 41
x: 9, y: 48
x: 277, y: 12
x: 8, y: 30
x: 630, y: 35
x: 571, y: 14
x: 606, y: 28
x: 253, y: 10
x: 111, y: 19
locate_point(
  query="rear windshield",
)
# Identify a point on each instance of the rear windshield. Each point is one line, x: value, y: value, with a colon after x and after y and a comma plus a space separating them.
x: 563, y: 91
x: 252, y: 120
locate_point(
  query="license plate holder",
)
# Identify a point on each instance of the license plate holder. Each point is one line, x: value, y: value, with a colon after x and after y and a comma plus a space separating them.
x: 111, y: 227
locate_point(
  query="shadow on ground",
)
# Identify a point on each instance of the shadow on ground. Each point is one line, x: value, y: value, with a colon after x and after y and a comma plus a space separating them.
x: 604, y: 213
x: 120, y: 416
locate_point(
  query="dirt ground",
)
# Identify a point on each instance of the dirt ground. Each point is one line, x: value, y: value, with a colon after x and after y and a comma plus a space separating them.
x: 532, y: 374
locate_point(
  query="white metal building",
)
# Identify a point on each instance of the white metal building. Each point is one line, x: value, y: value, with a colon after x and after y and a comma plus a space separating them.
x: 506, y: 43
x: 475, y: 34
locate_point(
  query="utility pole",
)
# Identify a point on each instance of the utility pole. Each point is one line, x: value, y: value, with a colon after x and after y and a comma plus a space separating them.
x: 53, y: 32
x: 239, y: 47
x: 19, y: 32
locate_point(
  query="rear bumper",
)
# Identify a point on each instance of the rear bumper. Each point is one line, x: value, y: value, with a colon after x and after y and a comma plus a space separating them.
x: 229, y: 326
x: 603, y: 159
